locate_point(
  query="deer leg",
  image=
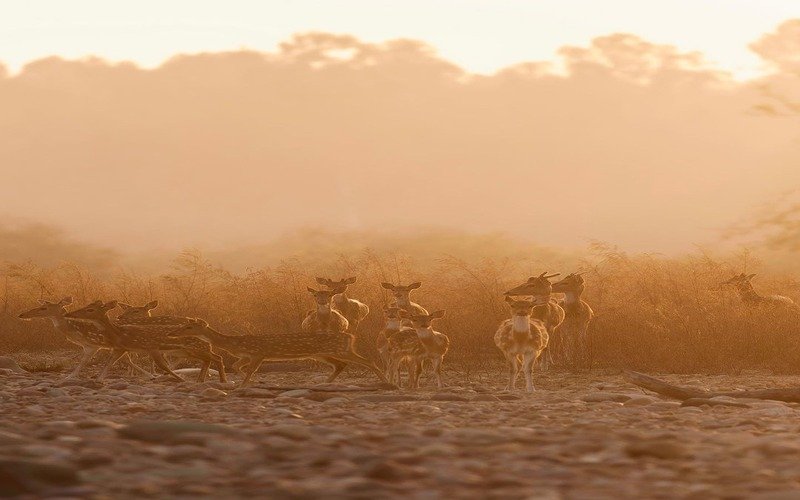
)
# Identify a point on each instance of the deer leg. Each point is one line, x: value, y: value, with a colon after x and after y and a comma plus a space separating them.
x: 527, y: 367
x: 130, y: 363
x: 240, y: 365
x: 414, y: 370
x: 88, y: 353
x: 251, y: 369
x: 338, y: 367
x: 113, y: 358
x: 158, y: 358
x: 352, y: 357
x: 513, y: 370
x: 220, y: 367
x: 437, y: 370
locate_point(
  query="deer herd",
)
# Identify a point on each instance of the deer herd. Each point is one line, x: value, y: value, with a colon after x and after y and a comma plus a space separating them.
x: 541, y: 327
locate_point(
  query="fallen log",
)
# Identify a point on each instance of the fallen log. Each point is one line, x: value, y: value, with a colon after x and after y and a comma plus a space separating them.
x: 787, y: 395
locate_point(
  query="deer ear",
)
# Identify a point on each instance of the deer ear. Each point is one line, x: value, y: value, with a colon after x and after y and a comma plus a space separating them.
x: 125, y: 306
x: 437, y: 314
x: 414, y: 286
x: 322, y: 281
x: 110, y: 305
x: 350, y: 281
x: 65, y: 301
x: 509, y: 299
x: 387, y: 286
x: 41, y: 302
x: 552, y: 276
x: 152, y: 304
x: 751, y: 276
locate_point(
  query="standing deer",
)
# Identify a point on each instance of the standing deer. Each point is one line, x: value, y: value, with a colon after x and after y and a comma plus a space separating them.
x: 522, y: 340
x: 325, y: 319
x: 434, y: 345
x: 571, y: 334
x: 87, y: 336
x: 546, y: 309
x: 353, y: 310
x: 393, y: 325
x: 402, y: 297
x: 742, y: 284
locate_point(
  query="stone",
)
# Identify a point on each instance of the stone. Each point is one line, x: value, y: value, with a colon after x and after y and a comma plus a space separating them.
x: 19, y: 477
x: 210, y: 393
x: 7, y: 363
x: 169, y: 431
x: 601, y: 397
x: 295, y: 393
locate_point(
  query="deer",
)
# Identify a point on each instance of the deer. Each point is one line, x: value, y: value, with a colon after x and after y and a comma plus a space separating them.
x: 392, y: 325
x: 136, y: 312
x: 325, y: 319
x: 87, y: 336
x: 434, y: 345
x: 353, y: 310
x: 403, y: 346
x: 521, y: 339
x: 545, y: 309
x: 149, y: 338
x: 571, y: 333
x: 276, y: 347
x: 402, y: 297
x: 744, y: 286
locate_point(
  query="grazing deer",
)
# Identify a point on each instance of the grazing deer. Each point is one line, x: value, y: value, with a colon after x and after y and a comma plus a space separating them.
x: 87, y: 336
x: 571, y: 334
x: 353, y: 310
x: 402, y: 297
x: 148, y: 337
x: 546, y: 309
x: 434, y: 345
x: 743, y: 285
x: 274, y: 347
x: 522, y: 340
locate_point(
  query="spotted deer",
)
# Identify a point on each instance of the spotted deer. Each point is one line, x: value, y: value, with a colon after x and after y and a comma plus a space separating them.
x: 744, y: 287
x: 148, y: 337
x: 403, y: 347
x: 571, y: 333
x: 434, y: 345
x: 353, y: 310
x: 402, y: 297
x: 392, y: 325
x: 274, y: 347
x: 522, y: 339
x: 546, y: 309
x: 87, y: 336
x: 325, y: 319
x: 136, y: 312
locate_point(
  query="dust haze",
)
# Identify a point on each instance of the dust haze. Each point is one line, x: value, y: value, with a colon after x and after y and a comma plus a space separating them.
x: 633, y: 143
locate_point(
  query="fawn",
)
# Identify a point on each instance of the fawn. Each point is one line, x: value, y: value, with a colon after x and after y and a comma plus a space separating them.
x: 353, y: 310
x: 522, y: 340
x: 148, y: 337
x: 259, y: 348
x: 571, y: 333
x: 434, y: 345
x: 87, y: 336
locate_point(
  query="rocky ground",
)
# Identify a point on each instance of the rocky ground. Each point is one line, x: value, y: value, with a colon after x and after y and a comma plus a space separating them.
x: 590, y: 435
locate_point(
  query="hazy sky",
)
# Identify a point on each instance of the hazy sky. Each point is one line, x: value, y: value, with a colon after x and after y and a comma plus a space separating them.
x: 480, y: 35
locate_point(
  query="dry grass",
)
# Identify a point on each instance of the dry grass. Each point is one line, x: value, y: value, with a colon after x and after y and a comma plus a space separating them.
x: 652, y: 313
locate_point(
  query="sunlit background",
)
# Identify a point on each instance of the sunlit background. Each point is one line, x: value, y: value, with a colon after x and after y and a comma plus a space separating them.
x: 656, y: 126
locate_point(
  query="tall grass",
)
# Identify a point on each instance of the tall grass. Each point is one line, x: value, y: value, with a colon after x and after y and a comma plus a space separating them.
x: 652, y: 313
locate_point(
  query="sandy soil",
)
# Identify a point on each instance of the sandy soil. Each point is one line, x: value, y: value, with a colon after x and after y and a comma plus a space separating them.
x: 579, y: 436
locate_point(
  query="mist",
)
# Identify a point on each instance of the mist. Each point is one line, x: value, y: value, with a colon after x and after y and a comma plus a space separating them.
x: 636, y: 144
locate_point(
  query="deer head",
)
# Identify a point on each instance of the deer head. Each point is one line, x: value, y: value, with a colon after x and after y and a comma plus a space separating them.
x: 422, y: 321
x: 94, y: 312
x: 47, y: 309
x: 520, y: 307
x: 322, y: 298
x: 136, y: 312
x: 536, y: 285
x: 572, y: 282
x: 402, y: 294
